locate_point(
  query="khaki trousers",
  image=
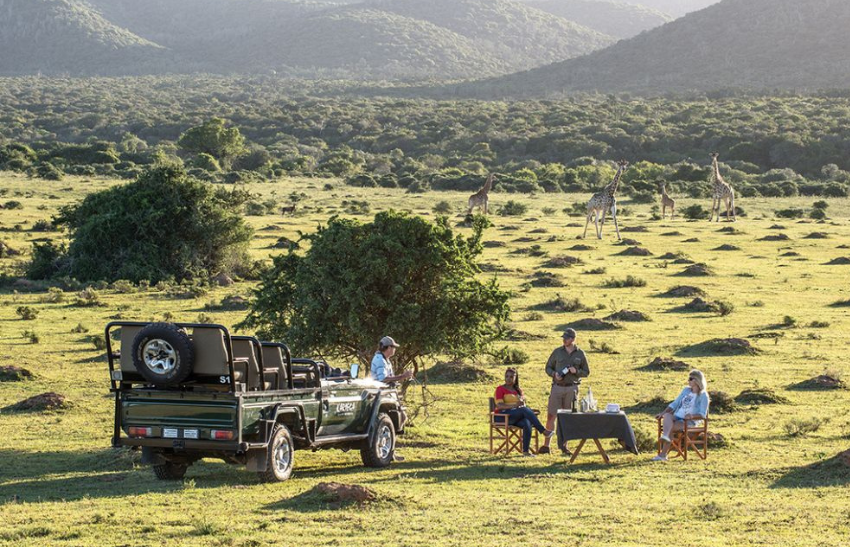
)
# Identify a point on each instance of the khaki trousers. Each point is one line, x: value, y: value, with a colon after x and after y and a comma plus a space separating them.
x: 561, y: 398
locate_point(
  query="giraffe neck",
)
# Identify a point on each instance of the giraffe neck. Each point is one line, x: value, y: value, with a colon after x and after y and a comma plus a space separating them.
x: 718, y: 180
x: 611, y: 189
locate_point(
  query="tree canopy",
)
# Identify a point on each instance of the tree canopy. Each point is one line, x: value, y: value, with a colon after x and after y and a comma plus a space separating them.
x: 164, y: 225
x: 213, y: 138
x: 399, y: 275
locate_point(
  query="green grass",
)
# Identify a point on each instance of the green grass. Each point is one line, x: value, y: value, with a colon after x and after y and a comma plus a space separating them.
x: 61, y: 484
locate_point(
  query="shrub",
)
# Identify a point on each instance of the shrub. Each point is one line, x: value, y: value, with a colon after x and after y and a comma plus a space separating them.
x: 789, y: 321
x: 695, y: 212
x: 54, y: 295
x: 87, y: 298
x: 792, y: 212
x: 800, y: 427
x: 48, y: 171
x: 12, y: 204
x: 629, y: 281
x: 513, y: 208
x: 820, y: 205
x: 724, y: 307
x: 26, y: 313
x: 510, y: 356
x: 48, y: 261
x: 194, y: 228
x: 31, y: 336
x: 443, y: 208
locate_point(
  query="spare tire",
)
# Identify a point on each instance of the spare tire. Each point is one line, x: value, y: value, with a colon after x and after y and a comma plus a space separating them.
x: 163, y: 353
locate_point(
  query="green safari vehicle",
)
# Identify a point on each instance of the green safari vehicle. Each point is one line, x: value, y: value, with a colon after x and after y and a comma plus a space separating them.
x: 187, y: 391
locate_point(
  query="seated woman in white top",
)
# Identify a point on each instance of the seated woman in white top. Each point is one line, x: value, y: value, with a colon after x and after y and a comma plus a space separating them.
x: 691, y: 404
x: 382, y: 369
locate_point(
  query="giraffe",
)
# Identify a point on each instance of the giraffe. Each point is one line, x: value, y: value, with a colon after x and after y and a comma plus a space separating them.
x: 601, y: 202
x: 479, y: 198
x: 667, y: 201
x: 721, y: 191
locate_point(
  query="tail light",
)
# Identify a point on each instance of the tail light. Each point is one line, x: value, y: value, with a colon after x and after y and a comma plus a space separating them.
x: 140, y: 431
x: 221, y: 435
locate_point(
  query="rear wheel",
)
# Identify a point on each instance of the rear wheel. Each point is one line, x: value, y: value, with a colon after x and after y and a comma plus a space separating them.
x: 280, y: 456
x: 170, y: 471
x: 379, y: 452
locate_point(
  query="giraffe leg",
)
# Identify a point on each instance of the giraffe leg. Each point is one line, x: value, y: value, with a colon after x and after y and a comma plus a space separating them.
x: 663, y: 211
x: 601, y: 218
x: 586, y: 224
x: 672, y: 211
x: 714, y: 205
x: 614, y: 216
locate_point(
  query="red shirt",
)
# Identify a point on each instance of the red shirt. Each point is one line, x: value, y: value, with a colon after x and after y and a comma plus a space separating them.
x: 506, y: 395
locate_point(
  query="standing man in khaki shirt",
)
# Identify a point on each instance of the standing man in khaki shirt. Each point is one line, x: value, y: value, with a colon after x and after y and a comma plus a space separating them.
x: 566, y: 366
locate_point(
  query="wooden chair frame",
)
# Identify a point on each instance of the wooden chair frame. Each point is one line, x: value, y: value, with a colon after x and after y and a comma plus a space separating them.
x: 505, y: 438
x: 689, y: 438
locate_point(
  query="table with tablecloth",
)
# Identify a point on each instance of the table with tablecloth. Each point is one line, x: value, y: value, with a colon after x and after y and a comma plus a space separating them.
x: 583, y: 426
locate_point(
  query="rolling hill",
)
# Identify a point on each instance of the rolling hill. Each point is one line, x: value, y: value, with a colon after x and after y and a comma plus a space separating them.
x: 676, y: 8
x: 617, y: 19
x: 735, y: 44
x: 372, y: 39
x: 61, y: 36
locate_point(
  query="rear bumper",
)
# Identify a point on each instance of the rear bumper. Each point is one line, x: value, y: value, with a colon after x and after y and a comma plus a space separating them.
x: 185, y: 444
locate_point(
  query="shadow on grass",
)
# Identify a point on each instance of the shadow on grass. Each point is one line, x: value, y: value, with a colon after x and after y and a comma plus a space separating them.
x: 831, y: 472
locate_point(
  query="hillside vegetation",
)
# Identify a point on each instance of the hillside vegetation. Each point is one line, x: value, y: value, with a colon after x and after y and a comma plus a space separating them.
x: 742, y: 44
x: 63, y: 36
x: 365, y: 40
x: 617, y: 19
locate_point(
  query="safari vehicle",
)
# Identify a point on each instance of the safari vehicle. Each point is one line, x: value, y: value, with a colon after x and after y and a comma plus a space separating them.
x: 187, y: 391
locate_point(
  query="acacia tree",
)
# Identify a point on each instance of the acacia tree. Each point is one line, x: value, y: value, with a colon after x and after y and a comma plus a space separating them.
x: 399, y: 275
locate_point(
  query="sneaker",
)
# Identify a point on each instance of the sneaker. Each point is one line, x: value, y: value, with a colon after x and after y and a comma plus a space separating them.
x: 397, y: 458
x: 543, y: 450
x: 566, y: 452
x: 528, y: 455
x: 665, y: 438
x: 548, y: 433
x: 659, y: 458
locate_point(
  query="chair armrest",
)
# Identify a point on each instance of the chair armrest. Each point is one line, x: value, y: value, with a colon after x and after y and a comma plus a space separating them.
x: 499, y: 419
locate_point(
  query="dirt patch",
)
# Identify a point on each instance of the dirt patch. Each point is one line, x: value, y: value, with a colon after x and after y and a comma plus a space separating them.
x: 716, y: 440
x: 456, y: 372
x: 563, y: 261
x: 652, y: 404
x: 547, y: 279
x: 776, y: 227
x: 698, y: 305
x: 817, y: 235
x: 844, y: 458
x: 222, y: 280
x: 635, y: 251
x: 494, y: 244
x: 12, y: 373
x: 823, y: 381
x: 641, y: 229
x: 525, y: 239
x: 775, y: 237
x: 674, y: 233
x: 539, y: 231
x: 731, y: 230
x: 561, y: 304
x: 761, y: 396
x: 629, y: 242
x: 38, y: 403
x: 696, y: 270
x: 790, y: 253
x: 840, y: 261
x: 665, y: 364
x: 727, y: 247
x: 591, y: 323
x: 534, y: 250
x: 692, y: 240
x: 282, y: 243
x: 722, y: 346
x: 722, y: 402
x: 338, y: 493
x: 581, y: 247
x: 673, y: 256
x: 6, y: 251
x: 683, y: 291
x: 628, y: 315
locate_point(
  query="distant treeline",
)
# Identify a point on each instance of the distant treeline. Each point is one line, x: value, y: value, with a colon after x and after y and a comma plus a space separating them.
x: 773, y: 146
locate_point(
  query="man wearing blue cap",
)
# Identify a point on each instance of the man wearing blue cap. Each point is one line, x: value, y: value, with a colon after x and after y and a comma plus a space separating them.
x: 566, y: 366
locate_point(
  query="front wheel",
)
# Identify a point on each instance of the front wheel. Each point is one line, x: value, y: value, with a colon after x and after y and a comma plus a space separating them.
x: 280, y: 456
x: 379, y: 452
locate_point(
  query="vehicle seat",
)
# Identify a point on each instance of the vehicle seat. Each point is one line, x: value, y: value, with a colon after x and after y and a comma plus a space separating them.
x: 244, y: 348
x: 211, y: 356
x: 273, y: 362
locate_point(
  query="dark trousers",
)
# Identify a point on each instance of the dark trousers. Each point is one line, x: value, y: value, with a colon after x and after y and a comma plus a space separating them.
x: 524, y: 418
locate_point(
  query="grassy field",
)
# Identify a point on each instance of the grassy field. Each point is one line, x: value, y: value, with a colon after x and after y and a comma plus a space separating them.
x: 61, y: 484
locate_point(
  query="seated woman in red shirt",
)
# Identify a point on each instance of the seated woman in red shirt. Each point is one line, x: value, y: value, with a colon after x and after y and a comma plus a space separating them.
x: 510, y: 401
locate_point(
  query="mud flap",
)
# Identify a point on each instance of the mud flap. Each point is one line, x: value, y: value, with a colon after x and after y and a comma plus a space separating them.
x: 257, y: 460
x: 152, y: 457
